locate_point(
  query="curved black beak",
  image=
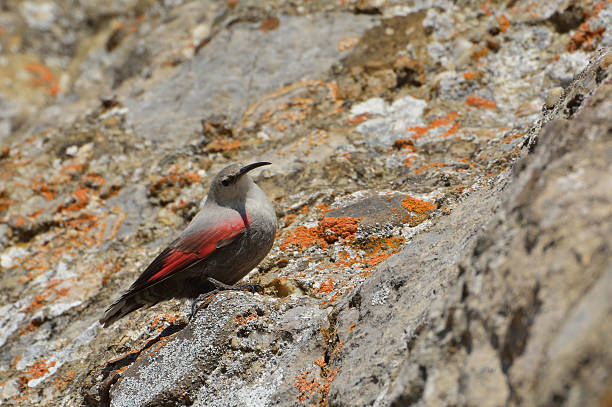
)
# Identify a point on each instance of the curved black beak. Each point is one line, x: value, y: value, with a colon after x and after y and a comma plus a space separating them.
x: 250, y: 167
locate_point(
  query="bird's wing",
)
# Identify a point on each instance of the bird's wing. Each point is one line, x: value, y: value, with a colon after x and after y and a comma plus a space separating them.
x: 198, y: 241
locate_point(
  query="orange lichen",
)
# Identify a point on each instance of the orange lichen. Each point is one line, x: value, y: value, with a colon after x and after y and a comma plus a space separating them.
x: 324, y: 389
x: 429, y: 165
x: 479, y: 102
x: 305, y: 209
x: 327, y: 286
x: 470, y: 75
x: 416, y: 205
x: 305, y: 385
x: 43, y: 189
x: 480, y: 53
x: 508, y: 139
x: 320, y: 362
x: 339, y: 348
x: 39, y: 369
x: 359, y: 118
x: 504, y: 23
x: 322, y: 206
x: 421, y: 131
x: 332, y: 229
x: 303, y: 237
x: 43, y: 77
x: 453, y: 129
x: 220, y: 144
x: 585, y: 36
x: 243, y: 320
x: 37, y: 302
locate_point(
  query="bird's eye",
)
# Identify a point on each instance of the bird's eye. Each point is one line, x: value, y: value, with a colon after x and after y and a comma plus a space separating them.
x: 226, y: 181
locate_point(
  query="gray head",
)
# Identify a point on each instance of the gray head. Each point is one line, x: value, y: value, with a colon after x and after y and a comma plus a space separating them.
x: 232, y: 183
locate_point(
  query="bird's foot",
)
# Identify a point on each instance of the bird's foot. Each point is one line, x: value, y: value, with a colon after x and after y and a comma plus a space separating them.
x: 204, y: 300
x: 222, y: 286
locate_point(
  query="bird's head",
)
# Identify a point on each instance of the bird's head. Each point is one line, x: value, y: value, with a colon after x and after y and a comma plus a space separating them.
x: 232, y: 183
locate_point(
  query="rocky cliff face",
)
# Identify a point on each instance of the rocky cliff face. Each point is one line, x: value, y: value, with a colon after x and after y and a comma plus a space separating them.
x: 441, y: 177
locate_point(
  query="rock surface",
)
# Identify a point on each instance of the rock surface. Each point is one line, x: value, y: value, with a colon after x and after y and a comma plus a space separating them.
x: 441, y: 177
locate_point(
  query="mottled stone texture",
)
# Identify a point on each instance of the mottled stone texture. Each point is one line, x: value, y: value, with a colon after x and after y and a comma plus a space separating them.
x: 441, y: 177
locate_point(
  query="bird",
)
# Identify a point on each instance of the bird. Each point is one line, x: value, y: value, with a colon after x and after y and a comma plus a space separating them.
x: 234, y: 230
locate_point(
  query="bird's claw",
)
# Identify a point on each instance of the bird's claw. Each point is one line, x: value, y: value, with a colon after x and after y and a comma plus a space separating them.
x: 252, y: 287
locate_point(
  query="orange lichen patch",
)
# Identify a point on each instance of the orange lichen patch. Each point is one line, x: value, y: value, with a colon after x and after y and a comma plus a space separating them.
x: 162, y: 342
x: 243, y: 320
x: 359, y: 118
x: 470, y: 75
x: 43, y: 77
x: 508, y: 139
x: 305, y: 385
x: 289, y: 219
x: 479, y: 102
x: 416, y: 205
x: 318, y: 137
x: 350, y: 328
x: 339, y: 348
x: 409, y: 161
x: 504, y: 23
x: 74, y: 169
x: 327, y: 286
x: 269, y: 24
x: 78, y: 200
x: 421, y: 131
x: 480, y: 53
x: 322, y: 206
x: 377, y: 258
x: 303, y: 237
x: 453, y: 129
x: 404, y: 143
x: 347, y: 43
x: 37, y: 302
x: 305, y: 209
x: 44, y: 189
x: 429, y: 165
x: 220, y: 144
x: 38, y: 369
x: 324, y: 389
x: 320, y: 362
x: 585, y: 37
x: 332, y: 229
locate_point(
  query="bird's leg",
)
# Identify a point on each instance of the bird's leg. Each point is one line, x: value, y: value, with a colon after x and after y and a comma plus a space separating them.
x: 205, y: 298
x: 222, y: 286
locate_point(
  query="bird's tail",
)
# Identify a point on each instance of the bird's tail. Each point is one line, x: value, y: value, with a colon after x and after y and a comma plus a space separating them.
x: 124, y: 305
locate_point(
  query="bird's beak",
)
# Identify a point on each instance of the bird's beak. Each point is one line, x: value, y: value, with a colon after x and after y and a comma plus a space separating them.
x: 250, y: 167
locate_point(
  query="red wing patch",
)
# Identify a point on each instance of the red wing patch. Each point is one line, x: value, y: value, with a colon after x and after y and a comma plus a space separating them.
x: 188, y: 250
